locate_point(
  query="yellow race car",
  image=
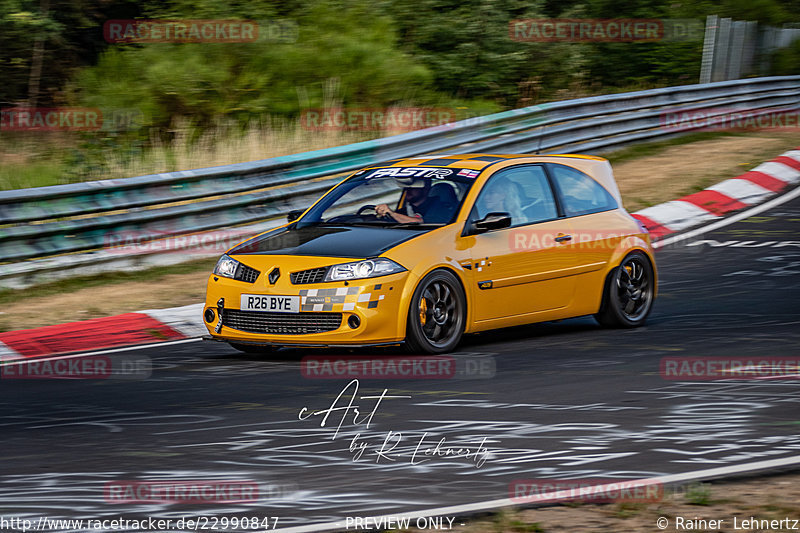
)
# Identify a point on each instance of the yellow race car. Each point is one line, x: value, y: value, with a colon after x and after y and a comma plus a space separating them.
x: 420, y: 251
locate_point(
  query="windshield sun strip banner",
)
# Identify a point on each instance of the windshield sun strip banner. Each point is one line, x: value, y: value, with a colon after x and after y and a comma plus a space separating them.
x: 411, y: 172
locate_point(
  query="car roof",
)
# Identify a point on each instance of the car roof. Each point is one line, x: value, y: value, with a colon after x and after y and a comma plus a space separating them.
x: 597, y: 167
x: 473, y: 161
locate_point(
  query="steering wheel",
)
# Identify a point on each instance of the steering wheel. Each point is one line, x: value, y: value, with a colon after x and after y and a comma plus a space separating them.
x: 366, y: 208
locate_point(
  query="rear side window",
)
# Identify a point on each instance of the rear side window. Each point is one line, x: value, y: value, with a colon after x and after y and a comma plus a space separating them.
x: 580, y: 194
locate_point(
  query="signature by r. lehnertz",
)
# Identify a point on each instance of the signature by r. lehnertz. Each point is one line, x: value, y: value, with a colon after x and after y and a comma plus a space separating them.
x: 393, y: 446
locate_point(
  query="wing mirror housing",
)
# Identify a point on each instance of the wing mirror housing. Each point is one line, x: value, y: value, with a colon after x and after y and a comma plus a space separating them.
x: 491, y: 221
x: 294, y: 214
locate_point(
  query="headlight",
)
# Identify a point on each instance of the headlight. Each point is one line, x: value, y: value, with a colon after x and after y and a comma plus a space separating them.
x: 370, y: 268
x: 226, y: 267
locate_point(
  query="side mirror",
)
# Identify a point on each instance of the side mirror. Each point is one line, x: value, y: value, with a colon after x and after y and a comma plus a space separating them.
x: 491, y: 221
x: 293, y: 215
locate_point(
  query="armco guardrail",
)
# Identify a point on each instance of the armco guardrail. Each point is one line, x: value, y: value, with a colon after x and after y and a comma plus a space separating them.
x: 38, y: 226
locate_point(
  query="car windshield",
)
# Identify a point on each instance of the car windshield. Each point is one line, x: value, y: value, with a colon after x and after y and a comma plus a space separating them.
x: 395, y: 196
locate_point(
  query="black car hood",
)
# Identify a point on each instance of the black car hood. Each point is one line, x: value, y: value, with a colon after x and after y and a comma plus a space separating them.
x: 327, y: 241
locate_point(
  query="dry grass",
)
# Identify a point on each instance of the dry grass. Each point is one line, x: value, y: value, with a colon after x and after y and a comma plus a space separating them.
x: 683, y: 169
x: 772, y: 497
x: 171, y: 290
x: 224, y: 146
x: 40, y: 159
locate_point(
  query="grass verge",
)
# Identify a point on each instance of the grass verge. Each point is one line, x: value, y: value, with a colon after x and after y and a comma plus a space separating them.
x: 112, y: 293
x: 8, y: 296
x: 639, y: 151
x: 768, y: 497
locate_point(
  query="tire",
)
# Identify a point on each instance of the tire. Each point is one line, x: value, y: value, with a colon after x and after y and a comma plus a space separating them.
x: 436, y: 315
x: 628, y: 293
x: 253, y: 348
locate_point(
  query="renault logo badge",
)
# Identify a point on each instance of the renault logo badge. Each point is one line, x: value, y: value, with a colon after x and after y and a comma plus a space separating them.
x: 274, y: 275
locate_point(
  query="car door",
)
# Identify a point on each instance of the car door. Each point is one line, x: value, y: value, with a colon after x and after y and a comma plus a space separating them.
x: 523, y: 269
x: 593, y: 216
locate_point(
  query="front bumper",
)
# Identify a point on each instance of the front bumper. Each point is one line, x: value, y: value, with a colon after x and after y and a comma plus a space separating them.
x: 324, y: 317
x: 300, y: 344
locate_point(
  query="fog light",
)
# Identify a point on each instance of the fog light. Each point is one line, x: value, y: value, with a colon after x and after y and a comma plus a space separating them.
x: 209, y: 315
x: 353, y: 321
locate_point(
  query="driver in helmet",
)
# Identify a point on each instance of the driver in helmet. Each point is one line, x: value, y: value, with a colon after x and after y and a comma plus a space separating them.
x: 417, y: 203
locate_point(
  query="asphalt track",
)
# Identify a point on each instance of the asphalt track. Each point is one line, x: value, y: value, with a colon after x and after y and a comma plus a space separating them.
x: 566, y: 399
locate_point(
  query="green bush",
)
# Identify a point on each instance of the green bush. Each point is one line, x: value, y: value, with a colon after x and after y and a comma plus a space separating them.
x: 341, y: 56
x: 786, y: 61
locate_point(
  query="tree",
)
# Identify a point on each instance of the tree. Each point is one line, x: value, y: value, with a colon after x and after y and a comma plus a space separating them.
x: 208, y: 82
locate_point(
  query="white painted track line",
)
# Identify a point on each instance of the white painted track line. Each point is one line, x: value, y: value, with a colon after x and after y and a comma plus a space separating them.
x: 791, y: 195
x: 552, y: 497
x: 24, y: 359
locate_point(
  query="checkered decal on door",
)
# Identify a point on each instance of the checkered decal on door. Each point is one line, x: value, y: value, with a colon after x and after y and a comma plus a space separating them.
x: 332, y: 299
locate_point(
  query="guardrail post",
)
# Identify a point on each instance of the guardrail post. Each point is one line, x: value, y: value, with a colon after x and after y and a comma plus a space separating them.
x: 709, y: 47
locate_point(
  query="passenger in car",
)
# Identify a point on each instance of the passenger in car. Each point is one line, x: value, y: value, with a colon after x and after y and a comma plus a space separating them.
x: 503, y: 196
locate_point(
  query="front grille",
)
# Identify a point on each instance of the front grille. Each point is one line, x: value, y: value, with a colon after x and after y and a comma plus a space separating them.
x: 315, y: 275
x: 281, y: 323
x: 246, y: 274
